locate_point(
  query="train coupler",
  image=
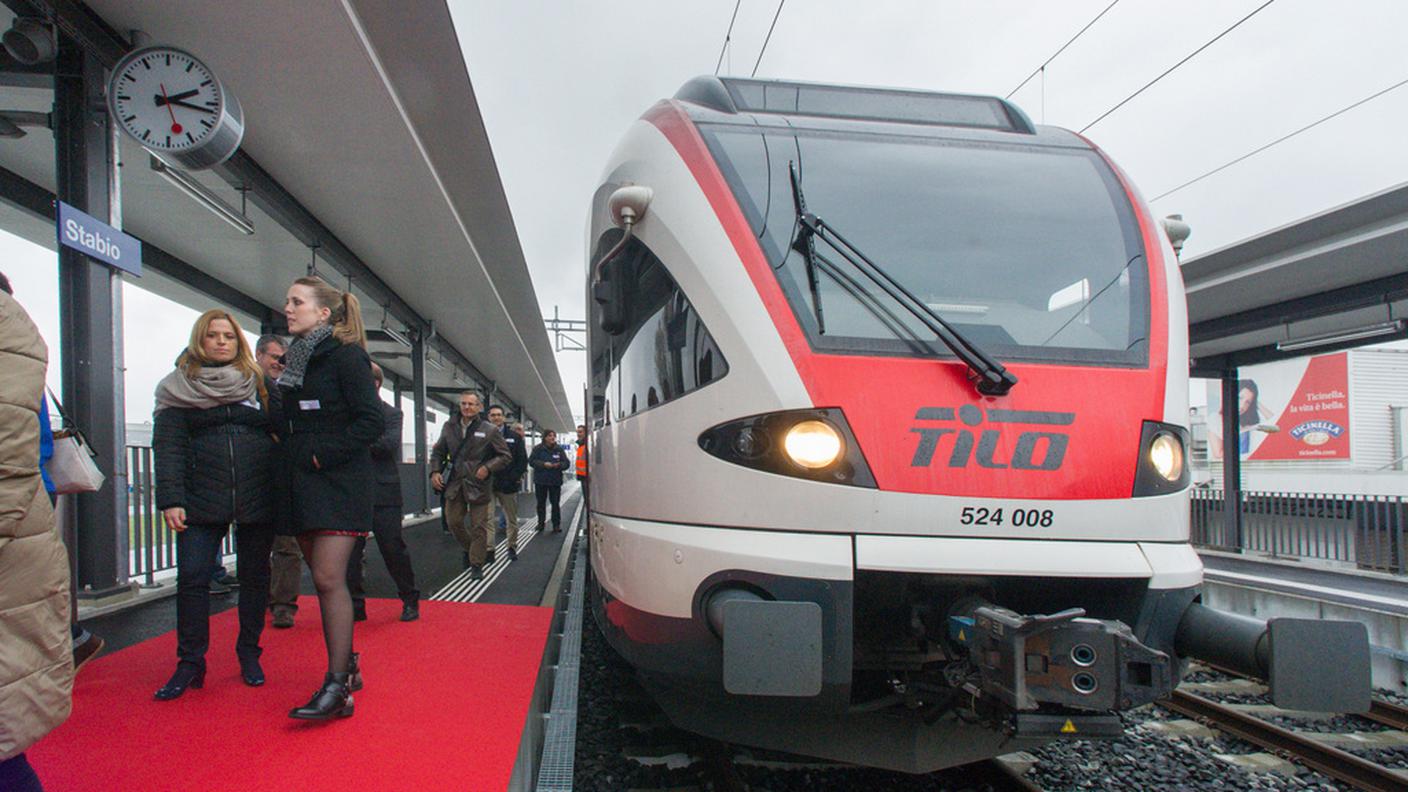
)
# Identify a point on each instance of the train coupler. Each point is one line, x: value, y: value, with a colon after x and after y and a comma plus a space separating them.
x: 1061, y: 659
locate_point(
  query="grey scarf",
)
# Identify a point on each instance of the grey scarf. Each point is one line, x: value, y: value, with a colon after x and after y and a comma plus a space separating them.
x: 298, y: 354
x: 212, y: 386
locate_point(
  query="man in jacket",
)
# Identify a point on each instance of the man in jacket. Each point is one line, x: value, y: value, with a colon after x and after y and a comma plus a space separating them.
x: 548, y: 461
x: 286, y: 562
x: 386, y: 521
x: 470, y: 450
x: 508, y: 481
x: 36, y: 650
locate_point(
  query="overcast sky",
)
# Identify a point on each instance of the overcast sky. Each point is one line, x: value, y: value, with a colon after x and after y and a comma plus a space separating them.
x: 559, y: 82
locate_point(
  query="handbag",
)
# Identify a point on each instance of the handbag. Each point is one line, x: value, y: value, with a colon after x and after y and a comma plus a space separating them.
x: 74, y: 466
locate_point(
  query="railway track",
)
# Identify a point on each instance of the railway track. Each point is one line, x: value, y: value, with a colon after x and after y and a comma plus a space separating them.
x: 1340, y: 765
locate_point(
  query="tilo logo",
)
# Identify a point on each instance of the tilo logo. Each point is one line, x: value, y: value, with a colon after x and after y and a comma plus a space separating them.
x: 1050, y: 445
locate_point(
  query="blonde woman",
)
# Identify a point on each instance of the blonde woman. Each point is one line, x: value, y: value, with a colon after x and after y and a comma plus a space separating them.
x: 214, y: 453
x: 333, y: 416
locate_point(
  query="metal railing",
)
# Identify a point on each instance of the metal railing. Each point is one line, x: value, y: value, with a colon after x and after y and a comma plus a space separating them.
x: 151, y: 545
x: 1364, y: 530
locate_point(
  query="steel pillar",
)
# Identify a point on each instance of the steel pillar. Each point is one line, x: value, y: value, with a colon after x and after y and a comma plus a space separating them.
x: 90, y: 314
x: 419, y: 400
x: 1231, y: 461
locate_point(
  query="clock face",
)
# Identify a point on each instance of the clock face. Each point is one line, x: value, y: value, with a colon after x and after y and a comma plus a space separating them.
x: 166, y: 99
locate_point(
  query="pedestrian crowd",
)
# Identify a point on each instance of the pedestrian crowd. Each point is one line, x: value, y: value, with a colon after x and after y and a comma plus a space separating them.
x: 289, y: 443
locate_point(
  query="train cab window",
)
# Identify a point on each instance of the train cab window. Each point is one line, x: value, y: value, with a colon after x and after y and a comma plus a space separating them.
x: 1033, y: 251
x: 664, y: 350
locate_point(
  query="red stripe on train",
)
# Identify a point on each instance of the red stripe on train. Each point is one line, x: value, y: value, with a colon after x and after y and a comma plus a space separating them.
x: 881, y: 396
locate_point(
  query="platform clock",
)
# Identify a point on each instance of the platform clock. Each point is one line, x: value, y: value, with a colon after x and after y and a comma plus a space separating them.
x: 171, y: 103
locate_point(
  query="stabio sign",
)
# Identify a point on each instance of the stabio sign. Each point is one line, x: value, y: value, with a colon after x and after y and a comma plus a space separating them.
x: 88, y: 234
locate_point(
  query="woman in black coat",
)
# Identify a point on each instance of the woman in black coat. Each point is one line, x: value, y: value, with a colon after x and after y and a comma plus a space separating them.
x: 214, y: 455
x: 333, y: 416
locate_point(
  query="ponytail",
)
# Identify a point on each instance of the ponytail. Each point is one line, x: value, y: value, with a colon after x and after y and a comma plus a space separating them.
x: 348, y: 327
x: 346, y: 311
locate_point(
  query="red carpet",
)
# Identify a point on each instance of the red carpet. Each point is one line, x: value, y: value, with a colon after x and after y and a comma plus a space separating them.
x: 444, y: 706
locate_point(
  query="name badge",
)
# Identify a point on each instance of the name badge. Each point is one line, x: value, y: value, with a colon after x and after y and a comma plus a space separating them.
x: 478, y: 434
x: 309, y: 404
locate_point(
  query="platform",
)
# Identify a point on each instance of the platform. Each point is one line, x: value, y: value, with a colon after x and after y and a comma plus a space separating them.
x: 445, y: 702
x: 449, y: 703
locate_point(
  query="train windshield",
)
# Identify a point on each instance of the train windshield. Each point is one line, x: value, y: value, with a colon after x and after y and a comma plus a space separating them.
x: 1032, y: 252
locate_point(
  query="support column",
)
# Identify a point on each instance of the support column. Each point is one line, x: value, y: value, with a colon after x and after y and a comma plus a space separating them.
x: 419, y: 401
x: 1231, y: 461
x: 90, y: 315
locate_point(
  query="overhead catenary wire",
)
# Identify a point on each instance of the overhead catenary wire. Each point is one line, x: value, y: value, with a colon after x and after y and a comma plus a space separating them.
x: 1175, y: 66
x: 1279, y: 140
x: 727, y: 37
x: 1047, y: 62
x: 771, y: 27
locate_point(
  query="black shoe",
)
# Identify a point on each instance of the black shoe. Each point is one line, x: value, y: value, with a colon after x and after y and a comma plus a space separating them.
x: 512, y: 554
x: 476, y: 572
x: 410, y: 611
x: 359, y: 611
x: 333, y: 700
x: 251, y: 672
x: 227, y: 580
x: 556, y: 528
x: 186, y: 676
x: 86, y: 651
x: 216, y: 587
x: 354, y: 674
x: 489, y: 557
x: 283, y: 618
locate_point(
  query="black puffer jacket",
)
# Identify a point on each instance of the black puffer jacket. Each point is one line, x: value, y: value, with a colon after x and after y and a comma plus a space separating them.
x: 217, y: 463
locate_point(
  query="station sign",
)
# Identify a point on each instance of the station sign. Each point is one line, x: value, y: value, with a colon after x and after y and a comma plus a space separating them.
x: 87, y: 234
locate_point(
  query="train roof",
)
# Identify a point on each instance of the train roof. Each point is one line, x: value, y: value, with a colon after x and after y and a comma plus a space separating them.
x: 740, y: 100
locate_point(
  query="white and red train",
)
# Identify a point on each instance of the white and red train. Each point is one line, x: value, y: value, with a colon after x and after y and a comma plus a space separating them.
x: 888, y: 401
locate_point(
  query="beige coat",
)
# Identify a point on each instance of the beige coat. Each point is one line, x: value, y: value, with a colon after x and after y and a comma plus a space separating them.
x: 36, y: 649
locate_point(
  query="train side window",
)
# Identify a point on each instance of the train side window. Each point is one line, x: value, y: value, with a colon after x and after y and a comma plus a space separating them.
x: 664, y: 350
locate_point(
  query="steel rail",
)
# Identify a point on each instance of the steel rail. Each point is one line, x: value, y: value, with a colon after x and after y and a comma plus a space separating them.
x: 1386, y: 713
x: 1340, y: 765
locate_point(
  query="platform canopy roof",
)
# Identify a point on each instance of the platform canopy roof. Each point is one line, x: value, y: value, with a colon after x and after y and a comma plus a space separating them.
x: 1330, y: 281
x: 364, y: 153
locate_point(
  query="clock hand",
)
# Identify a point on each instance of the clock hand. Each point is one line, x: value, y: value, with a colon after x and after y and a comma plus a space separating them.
x: 190, y: 106
x: 176, y: 97
x: 175, y: 126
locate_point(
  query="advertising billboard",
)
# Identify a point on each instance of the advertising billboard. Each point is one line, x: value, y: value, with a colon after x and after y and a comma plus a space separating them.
x: 1288, y: 410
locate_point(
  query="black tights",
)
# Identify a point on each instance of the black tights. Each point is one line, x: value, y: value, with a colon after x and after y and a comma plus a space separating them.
x: 327, y: 558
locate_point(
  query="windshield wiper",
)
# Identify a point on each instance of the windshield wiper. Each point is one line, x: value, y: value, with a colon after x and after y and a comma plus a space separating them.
x: 988, y: 376
x: 805, y: 243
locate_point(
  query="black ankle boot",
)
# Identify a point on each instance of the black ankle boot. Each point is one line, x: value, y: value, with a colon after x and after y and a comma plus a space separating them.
x: 185, y: 676
x: 333, y: 700
x: 354, y: 674
x: 251, y: 672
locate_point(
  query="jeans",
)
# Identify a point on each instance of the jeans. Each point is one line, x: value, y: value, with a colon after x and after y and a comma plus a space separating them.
x: 16, y: 775
x: 548, y: 493
x: 386, y: 527
x: 193, y: 549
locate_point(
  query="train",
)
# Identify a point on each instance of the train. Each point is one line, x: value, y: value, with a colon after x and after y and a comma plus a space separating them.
x: 887, y: 403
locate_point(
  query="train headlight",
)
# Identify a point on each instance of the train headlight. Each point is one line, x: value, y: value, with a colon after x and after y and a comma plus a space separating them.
x: 1166, y: 454
x: 1162, y: 464
x: 813, y: 444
